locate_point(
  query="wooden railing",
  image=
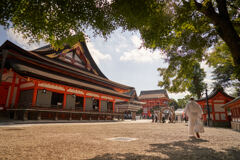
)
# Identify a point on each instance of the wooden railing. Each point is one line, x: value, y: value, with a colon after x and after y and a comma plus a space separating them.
x: 38, y: 113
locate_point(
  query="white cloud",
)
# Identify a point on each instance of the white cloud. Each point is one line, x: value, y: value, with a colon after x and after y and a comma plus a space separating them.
x: 136, y: 41
x: 177, y: 96
x: 96, y: 54
x: 209, y: 74
x: 140, y: 54
x: 206, y: 68
x: 23, y: 42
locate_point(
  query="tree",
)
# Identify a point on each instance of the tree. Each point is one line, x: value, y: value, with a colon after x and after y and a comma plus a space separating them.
x: 176, y: 26
x: 139, y: 112
x: 197, y: 85
x: 225, y: 73
x: 56, y: 21
x: 182, y: 102
x: 183, y: 74
x: 183, y: 27
x: 173, y: 103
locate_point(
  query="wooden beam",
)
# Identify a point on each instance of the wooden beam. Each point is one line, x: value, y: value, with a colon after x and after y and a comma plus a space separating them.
x: 4, y: 57
x: 34, y: 99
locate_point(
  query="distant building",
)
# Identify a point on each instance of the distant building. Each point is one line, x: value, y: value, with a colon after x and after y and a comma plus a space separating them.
x: 179, y: 114
x: 218, y: 114
x: 129, y: 108
x: 153, y: 98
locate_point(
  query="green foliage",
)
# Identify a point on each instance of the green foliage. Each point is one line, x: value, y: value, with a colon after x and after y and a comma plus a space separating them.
x: 139, y: 112
x: 183, y: 74
x: 182, y: 29
x: 197, y: 85
x: 56, y: 21
x: 225, y: 73
x: 182, y: 102
x: 173, y: 103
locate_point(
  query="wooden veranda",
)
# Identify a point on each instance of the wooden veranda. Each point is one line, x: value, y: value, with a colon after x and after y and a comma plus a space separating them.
x: 40, y: 113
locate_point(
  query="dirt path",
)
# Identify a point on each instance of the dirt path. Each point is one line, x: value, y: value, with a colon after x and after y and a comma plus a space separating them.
x: 91, y: 141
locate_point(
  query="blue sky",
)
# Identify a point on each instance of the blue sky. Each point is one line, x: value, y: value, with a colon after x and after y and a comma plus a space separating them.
x: 120, y: 58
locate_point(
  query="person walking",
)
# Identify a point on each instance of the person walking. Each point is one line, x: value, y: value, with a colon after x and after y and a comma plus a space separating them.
x: 194, y: 112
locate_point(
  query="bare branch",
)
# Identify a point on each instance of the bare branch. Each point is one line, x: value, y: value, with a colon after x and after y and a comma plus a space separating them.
x: 222, y: 8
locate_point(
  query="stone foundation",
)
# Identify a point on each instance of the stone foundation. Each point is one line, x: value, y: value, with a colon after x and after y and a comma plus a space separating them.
x: 235, y: 126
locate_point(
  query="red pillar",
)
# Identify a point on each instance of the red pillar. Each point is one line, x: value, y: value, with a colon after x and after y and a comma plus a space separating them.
x: 64, y: 98
x: 34, y: 99
x: 84, y: 102
x: 113, y: 105
x: 99, y: 105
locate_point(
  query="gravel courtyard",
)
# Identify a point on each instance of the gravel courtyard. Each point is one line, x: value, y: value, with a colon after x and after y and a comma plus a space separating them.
x: 91, y: 141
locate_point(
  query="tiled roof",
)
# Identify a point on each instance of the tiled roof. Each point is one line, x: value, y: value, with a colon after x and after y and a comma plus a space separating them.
x: 153, y: 94
x: 160, y: 91
x: 214, y: 93
x: 234, y: 100
x: 48, y: 50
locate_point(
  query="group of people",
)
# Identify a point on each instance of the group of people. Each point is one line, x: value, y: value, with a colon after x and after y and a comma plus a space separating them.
x: 155, y: 118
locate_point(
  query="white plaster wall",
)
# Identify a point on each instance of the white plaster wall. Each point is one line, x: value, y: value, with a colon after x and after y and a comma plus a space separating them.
x: 9, y: 92
x: 75, y: 91
x: 7, y: 77
x: 92, y: 95
x: 218, y: 108
x: 51, y: 86
x: 25, y: 85
x: 14, y: 96
x: 105, y: 97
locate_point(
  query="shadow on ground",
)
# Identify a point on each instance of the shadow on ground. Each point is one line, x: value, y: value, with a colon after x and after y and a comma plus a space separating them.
x: 178, y: 150
x: 13, y: 129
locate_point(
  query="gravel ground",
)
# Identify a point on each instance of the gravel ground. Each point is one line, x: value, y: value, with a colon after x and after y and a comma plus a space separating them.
x: 91, y: 141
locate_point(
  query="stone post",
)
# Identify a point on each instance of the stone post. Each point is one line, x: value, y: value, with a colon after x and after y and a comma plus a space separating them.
x: 25, y: 115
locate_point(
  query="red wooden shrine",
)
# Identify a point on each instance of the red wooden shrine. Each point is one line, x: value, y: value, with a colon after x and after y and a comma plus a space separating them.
x: 153, y: 98
x: 56, y: 84
x: 218, y: 114
x: 234, y: 107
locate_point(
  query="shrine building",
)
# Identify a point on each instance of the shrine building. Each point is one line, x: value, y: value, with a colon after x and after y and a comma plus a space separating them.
x: 234, y: 107
x: 49, y: 84
x: 130, y: 107
x: 218, y: 115
x: 153, y: 99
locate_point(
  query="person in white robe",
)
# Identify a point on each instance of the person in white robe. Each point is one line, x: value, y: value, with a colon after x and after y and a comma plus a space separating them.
x: 194, y: 112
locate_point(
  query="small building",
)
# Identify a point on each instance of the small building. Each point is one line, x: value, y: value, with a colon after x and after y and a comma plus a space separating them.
x: 129, y: 108
x: 218, y: 115
x: 179, y: 114
x: 153, y: 99
x: 49, y: 84
x: 234, y: 107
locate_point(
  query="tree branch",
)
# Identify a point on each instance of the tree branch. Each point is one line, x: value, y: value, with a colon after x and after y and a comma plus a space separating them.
x: 208, y: 10
x: 222, y: 8
x: 198, y: 5
x: 236, y: 24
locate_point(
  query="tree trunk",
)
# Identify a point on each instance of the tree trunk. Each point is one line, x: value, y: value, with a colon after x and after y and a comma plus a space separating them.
x: 224, y: 28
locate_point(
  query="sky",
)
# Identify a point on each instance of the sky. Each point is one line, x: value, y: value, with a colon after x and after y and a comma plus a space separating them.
x: 120, y: 58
